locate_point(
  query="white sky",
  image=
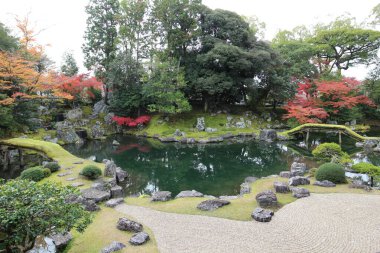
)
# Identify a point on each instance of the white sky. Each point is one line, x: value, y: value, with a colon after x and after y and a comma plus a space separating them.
x: 64, y: 21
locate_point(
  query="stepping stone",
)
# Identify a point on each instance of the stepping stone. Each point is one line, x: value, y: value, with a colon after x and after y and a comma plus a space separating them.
x: 139, y: 238
x: 69, y: 168
x: 114, y: 202
x: 65, y: 174
x: 161, y: 196
x: 114, y: 246
x: 125, y: 224
x: 189, y: 194
x: 262, y: 215
x: 212, y: 204
x: 267, y: 199
x: 324, y: 183
x: 294, y: 181
x: 300, y: 192
x: 71, y: 178
x: 77, y: 184
x: 281, y: 187
x: 78, y: 162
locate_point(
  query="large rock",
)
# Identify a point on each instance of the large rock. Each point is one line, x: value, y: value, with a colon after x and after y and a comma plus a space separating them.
x: 96, y: 195
x: 294, y: 181
x: 245, y: 188
x: 75, y: 114
x: 114, y: 246
x: 97, y: 131
x: 116, y: 191
x: 139, y: 238
x: 121, y: 174
x: 161, y: 196
x: 43, y: 245
x: 268, y: 135
x: 68, y: 135
x: 61, y: 240
x: 298, y: 169
x: 125, y: 224
x: 212, y: 204
x: 201, y: 126
x: 285, y: 174
x: 300, y: 192
x: 89, y: 205
x: 114, y: 202
x: 281, y: 187
x: 104, y: 184
x: 99, y: 107
x: 324, y: 183
x: 267, y: 199
x: 108, y: 118
x: 189, y: 194
x: 262, y: 215
x: 110, y: 168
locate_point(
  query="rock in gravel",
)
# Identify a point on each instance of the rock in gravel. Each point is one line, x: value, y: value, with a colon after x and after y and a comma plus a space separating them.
x: 114, y: 246
x: 285, y: 174
x: 114, y: 202
x: 297, y: 169
x: 212, y: 204
x: 96, y: 195
x: 245, y: 188
x: 161, y: 196
x: 324, y: 183
x: 189, y: 194
x: 262, y: 215
x: 281, y: 187
x: 61, y: 240
x: 267, y: 199
x: 294, y: 181
x: 125, y: 224
x: 300, y: 192
x: 139, y: 238
x: 250, y: 180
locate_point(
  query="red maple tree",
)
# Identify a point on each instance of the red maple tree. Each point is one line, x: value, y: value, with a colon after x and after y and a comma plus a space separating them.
x: 317, y: 100
x: 130, y: 122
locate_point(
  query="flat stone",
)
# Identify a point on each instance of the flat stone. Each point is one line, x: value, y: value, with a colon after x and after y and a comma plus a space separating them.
x: 61, y: 240
x: 116, y: 191
x: 139, y: 238
x: 189, y: 194
x: 267, y: 199
x: 125, y: 224
x: 78, y: 162
x: 65, y: 174
x: 245, y: 188
x: 285, y: 174
x: 294, y: 181
x: 69, y: 168
x: 250, y: 180
x: 71, y: 179
x: 281, y: 187
x: 212, y: 204
x: 300, y: 192
x: 262, y: 215
x: 229, y: 197
x: 161, y: 196
x: 96, y: 195
x: 114, y: 202
x: 114, y: 246
x: 324, y: 183
x: 77, y: 184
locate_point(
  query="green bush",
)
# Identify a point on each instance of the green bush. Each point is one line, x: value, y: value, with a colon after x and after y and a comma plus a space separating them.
x: 327, y: 151
x: 91, y: 172
x: 52, y: 166
x: 367, y: 168
x: 35, y: 173
x: 331, y: 171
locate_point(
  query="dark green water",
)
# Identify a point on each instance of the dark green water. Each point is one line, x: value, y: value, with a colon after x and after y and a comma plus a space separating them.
x: 211, y: 169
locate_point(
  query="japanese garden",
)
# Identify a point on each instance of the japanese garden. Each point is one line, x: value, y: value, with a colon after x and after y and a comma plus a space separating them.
x: 187, y: 129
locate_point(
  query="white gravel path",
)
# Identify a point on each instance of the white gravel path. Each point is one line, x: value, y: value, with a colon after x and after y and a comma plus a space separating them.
x: 320, y: 223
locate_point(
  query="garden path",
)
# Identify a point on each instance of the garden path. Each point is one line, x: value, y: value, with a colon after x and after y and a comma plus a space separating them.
x: 320, y: 223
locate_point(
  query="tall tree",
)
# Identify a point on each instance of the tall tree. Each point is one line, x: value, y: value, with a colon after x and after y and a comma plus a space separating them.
x: 101, y: 37
x: 7, y: 41
x: 69, y: 65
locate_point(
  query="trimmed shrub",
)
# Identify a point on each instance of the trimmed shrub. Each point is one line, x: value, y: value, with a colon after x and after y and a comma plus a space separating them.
x: 91, y: 172
x: 326, y: 151
x: 52, y: 166
x: 331, y: 171
x: 35, y: 173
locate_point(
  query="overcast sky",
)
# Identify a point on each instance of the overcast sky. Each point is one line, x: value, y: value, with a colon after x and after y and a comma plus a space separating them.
x: 64, y: 21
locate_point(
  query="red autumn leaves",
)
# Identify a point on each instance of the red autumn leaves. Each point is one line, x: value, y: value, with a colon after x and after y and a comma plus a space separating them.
x: 130, y: 122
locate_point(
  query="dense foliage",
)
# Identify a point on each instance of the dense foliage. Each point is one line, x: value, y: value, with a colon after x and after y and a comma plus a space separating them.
x: 28, y: 209
x: 332, y: 172
x: 52, y: 166
x: 91, y: 171
x: 35, y: 173
x: 331, y: 152
x: 130, y: 122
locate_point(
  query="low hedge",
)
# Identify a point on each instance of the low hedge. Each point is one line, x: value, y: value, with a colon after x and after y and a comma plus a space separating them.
x: 332, y: 172
x: 35, y: 173
x: 91, y: 172
x: 52, y: 166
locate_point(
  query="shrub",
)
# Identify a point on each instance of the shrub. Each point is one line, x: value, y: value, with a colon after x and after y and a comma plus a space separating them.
x: 331, y: 171
x: 91, y: 172
x: 367, y: 168
x: 52, y: 166
x: 327, y: 151
x: 35, y: 173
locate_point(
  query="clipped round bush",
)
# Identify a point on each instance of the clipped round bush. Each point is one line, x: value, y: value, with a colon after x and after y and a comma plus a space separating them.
x: 326, y: 151
x: 331, y: 171
x: 91, y: 172
x: 52, y: 166
x: 35, y: 173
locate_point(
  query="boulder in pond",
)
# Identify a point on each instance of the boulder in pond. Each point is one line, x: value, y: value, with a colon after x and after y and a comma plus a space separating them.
x: 189, y: 194
x: 300, y: 192
x: 267, y: 199
x: 161, y: 196
x: 294, y: 181
x: 212, y: 204
x: 110, y: 168
x: 268, y: 135
x: 139, y: 238
x: 281, y: 187
x: 285, y: 174
x: 96, y: 195
x: 324, y: 183
x: 245, y: 188
x: 262, y: 215
x: 115, y: 143
x: 114, y: 202
x: 125, y: 224
x: 297, y: 169
x: 61, y: 239
x: 113, y: 247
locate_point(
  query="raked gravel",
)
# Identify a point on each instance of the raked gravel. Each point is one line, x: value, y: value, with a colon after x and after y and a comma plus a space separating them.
x: 320, y: 223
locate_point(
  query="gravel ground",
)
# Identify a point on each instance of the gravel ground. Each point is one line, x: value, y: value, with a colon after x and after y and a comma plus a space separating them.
x: 320, y: 223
